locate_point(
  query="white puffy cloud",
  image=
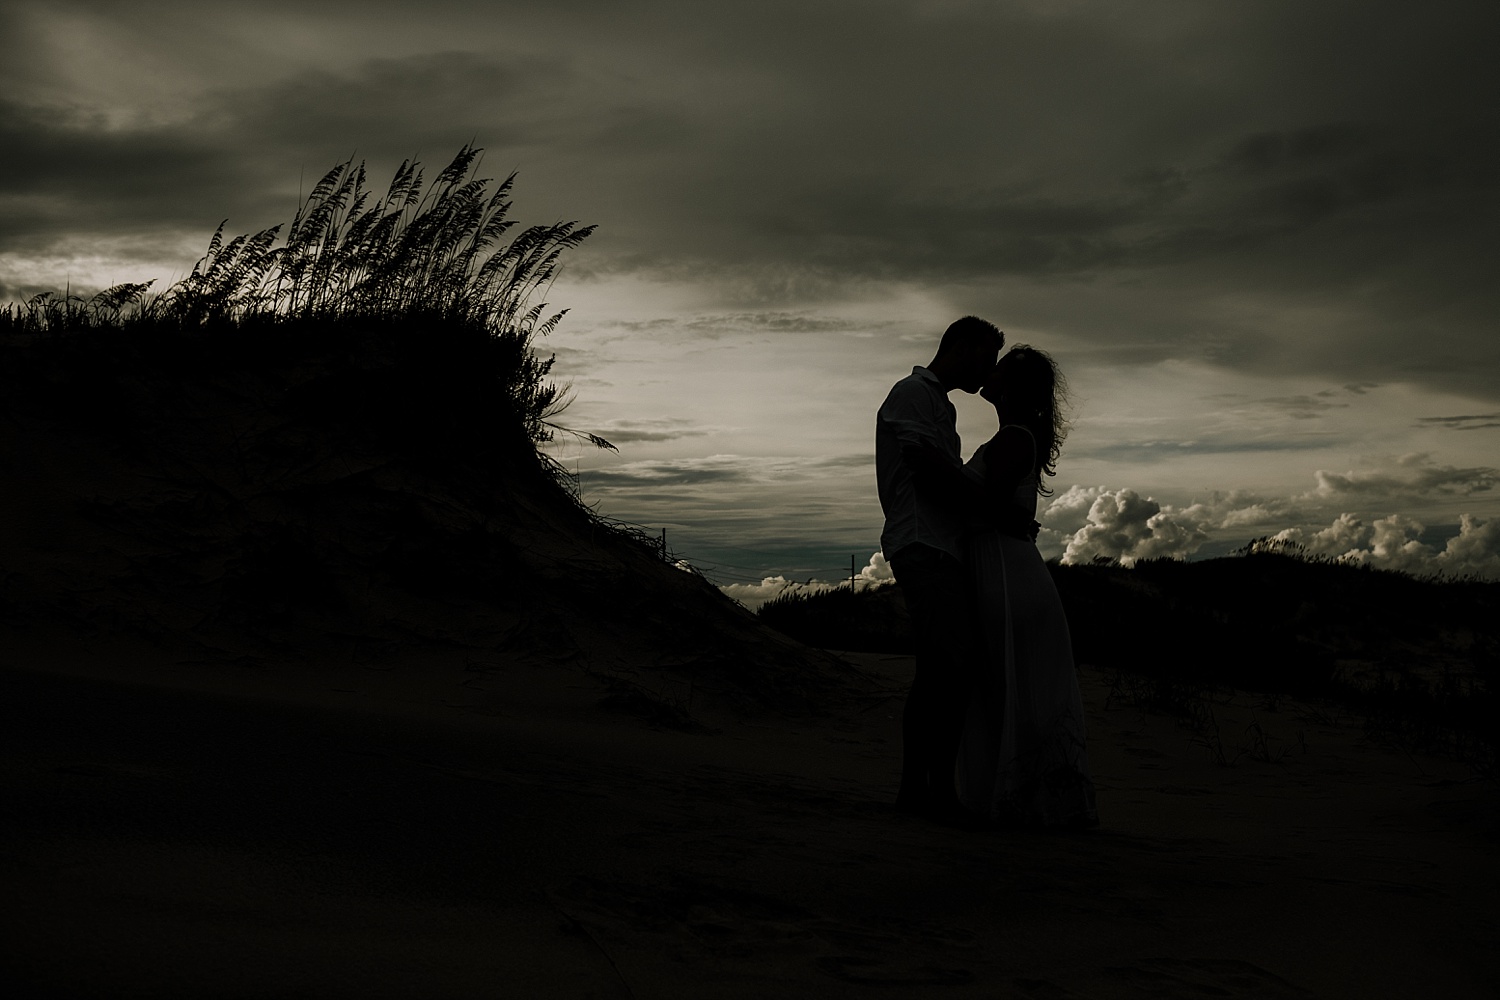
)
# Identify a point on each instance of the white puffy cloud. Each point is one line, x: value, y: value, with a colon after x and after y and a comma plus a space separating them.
x: 1346, y: 534
x: 1088, y: 522
x: 1123, y: 525
x: 1068, y: 511
x: 1394, y: 543
x: 876, y: 573
x: 753, y: 595
x: 1475, y: 549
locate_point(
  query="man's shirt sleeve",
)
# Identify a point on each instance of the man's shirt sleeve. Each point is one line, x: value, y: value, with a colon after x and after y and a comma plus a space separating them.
x: 910, y: 414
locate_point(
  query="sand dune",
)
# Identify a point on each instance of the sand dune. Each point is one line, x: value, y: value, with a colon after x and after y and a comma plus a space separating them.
x: 442, y: 825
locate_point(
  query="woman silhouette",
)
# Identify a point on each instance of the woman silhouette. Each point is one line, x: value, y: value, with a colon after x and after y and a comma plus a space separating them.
x: 1023, y: 759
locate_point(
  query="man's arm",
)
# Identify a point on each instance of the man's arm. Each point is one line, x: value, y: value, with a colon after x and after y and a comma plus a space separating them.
x: 916, y: 422
x: 934, y: 473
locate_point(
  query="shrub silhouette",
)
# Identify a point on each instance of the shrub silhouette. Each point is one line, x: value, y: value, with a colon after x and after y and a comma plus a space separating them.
x: 1420, y: 657
x: 291, y: 422
x: 872, y: 620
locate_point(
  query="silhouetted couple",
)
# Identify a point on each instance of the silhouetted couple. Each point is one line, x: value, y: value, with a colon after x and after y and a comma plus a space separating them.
x: 993, y: 730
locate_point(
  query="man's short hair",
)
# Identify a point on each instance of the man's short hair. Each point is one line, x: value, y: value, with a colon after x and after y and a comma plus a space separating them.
x: 963, y: 334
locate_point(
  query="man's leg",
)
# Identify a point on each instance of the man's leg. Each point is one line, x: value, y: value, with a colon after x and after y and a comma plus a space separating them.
x: 939, y: 598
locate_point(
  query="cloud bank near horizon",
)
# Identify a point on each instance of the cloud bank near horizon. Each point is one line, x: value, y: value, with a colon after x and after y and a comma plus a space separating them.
x: 1087, y: 523
x: 789, y: 504
x: 1121, y: 526
x: 876, y: 573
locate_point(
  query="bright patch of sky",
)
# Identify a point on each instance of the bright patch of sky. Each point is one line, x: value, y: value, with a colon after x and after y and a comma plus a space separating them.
x: 750, y: 437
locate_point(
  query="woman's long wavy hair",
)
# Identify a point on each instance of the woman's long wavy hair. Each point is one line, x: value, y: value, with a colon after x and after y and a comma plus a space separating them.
x: 1037, y: 395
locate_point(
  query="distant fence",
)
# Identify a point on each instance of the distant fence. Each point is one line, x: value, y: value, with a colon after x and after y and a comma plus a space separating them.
x: 715, y: 572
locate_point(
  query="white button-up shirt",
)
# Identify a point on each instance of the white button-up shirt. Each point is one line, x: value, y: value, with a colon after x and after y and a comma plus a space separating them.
x: 916, y: 410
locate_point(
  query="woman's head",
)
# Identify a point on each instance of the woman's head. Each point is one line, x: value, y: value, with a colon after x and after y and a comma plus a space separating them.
x: 1028, y: 388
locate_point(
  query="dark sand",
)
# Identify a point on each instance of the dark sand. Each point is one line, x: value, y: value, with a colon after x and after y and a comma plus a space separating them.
x: 442, y: 827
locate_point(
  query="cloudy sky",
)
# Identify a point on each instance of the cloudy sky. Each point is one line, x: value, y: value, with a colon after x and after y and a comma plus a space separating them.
x: 1260, y: 238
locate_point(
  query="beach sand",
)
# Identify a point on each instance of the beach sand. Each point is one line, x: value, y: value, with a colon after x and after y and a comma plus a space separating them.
x: 438, y: 824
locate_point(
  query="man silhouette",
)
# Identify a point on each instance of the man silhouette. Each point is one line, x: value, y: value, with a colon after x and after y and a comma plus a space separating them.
x: 924, y: 494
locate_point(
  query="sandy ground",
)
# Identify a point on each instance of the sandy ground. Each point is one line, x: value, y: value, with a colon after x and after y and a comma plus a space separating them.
x: 450, y: 827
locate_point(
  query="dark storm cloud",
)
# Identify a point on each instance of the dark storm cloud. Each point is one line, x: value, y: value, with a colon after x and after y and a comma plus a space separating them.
x: 1140, y: 452
x: 735, y: 324
x: 999, y: 145
x: 68, y: 172
x: 1302, y: 407
x: 722, y: 469
x: 1415, y: 477
x: 664, y: 429
x: 1134, y: 217
x: 1130, y: 176
x: 659, y: 474
x: 575, y: 360
x: 1465, y: 422
x: 1296, y: 179
x: 244, y: 152
x: 518, y: 106
x: 856, y: 461
x: 774, y: 321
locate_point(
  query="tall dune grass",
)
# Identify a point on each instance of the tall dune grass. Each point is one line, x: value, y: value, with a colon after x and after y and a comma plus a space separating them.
x: 444, y: 259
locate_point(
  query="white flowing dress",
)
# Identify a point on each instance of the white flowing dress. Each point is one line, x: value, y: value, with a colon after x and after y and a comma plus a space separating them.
x: 1023, y: 760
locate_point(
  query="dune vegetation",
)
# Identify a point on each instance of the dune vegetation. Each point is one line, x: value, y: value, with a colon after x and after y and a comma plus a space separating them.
x: 429, y: 259
x: 1419, y: 659
x: 328, y: 435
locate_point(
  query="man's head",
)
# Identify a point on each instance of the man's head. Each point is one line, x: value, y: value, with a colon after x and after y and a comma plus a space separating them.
x: 967, y: 353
